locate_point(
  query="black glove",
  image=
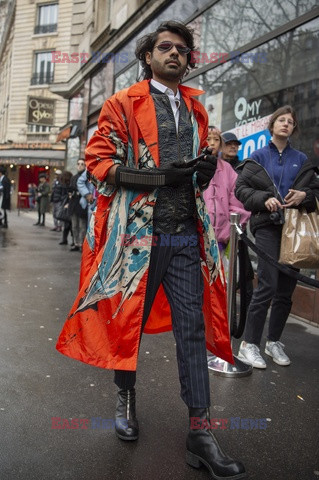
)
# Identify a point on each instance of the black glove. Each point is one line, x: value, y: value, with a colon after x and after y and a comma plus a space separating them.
x: 151, y: 178
x: 206, y: 170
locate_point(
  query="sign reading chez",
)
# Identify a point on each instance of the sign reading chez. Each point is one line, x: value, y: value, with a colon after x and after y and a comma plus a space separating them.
x: 40, y: 111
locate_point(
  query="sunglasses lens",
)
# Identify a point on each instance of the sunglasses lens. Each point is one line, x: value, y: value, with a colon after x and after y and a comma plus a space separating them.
x: 182, y: 49
x: 165, y: 46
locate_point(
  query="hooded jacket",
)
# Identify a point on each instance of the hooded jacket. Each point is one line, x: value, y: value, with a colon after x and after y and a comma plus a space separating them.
x: 104, y: 324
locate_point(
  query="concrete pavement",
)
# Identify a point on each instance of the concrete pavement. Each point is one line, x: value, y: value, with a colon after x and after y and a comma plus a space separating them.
x: 38, y: 282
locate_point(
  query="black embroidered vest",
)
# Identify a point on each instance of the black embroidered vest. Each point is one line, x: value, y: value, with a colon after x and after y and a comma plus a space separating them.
x: 175, y: 205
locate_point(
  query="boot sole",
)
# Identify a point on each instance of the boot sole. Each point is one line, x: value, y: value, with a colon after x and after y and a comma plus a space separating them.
x: 127, y: 439
x: 196, y: 462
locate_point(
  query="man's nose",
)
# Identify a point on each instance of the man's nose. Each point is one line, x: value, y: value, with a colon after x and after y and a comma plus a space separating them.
x: 174, y: 51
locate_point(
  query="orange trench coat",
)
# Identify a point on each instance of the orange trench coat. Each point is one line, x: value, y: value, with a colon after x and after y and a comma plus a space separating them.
x: 104, y: 325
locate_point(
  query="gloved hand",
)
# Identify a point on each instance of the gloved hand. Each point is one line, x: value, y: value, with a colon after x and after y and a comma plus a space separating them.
x: 206, y: 170
x: 148, y: 179
x: 177, y: 173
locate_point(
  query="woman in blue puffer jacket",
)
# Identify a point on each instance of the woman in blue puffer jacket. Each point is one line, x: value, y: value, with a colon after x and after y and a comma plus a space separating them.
x: 275, y: 177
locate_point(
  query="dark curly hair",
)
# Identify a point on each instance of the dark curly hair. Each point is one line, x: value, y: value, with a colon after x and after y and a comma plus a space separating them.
x: 147, y: 43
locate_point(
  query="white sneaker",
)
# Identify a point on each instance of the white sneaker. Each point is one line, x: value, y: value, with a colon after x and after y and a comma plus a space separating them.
x: 276, y: 351
x: 250, y: 353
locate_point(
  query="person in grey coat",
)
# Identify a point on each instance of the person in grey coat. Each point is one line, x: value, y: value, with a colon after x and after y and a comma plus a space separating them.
x: 87, y: 192
x: 77, y: 212
x: 43, y: 199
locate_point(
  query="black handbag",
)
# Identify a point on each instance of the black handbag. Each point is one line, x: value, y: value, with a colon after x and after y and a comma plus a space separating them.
x: 62, y: 212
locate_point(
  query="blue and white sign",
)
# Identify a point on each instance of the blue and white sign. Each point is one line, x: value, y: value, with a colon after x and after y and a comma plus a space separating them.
x: 253, y: 135
x: 252, y: 143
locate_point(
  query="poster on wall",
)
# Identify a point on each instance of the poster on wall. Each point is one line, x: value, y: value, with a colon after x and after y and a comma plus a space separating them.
x: 73, y: 154
x: 214, y: 108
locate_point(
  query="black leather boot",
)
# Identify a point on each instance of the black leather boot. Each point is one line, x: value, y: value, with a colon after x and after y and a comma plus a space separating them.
x: 203, y: 449
x: 126, y: 424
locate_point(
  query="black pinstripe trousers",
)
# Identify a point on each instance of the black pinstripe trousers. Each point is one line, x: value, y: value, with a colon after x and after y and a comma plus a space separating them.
x: 177, y: 266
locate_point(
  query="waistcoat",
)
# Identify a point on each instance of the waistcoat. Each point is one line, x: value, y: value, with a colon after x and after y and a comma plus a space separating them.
x: 175, y: 205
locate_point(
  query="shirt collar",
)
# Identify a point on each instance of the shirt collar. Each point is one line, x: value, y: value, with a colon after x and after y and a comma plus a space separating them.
x: 165, y: 89
x: 272, y: 145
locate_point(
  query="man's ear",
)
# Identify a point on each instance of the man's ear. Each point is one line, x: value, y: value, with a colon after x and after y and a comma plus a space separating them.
x: 148, y: 57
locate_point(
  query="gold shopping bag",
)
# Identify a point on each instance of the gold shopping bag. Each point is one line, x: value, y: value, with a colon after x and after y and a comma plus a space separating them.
x: 300, y: 238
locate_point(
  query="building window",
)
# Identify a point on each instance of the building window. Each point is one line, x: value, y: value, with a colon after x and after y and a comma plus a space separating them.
x: 43, y: 69
x: 47, y: 21
x: 38, y: 129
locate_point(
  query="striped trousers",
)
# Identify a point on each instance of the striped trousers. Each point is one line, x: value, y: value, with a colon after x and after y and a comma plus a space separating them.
x: 178, y: 269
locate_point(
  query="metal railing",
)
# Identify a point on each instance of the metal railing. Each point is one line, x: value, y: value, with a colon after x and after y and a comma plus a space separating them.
x: 42, y: 78
x: 45, y: 28
x: 217, y: 365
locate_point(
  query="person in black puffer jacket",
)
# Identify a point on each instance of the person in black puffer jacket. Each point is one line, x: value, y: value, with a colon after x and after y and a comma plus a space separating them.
x: 275, y: 177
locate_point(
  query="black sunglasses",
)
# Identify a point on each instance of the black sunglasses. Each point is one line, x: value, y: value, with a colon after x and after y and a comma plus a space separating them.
x: 167, y: 46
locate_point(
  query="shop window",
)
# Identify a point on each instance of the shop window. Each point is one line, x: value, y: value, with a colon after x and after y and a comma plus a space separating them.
x: 43, y: 68
x: 228, y: 24
x: 313, y: 89
x: 101, y: 86
x: 127, y: 78
x: 47, y: 19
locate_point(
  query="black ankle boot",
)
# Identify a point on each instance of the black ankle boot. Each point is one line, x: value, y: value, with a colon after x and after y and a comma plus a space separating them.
x: 203, y: 449
x: 126, y: 424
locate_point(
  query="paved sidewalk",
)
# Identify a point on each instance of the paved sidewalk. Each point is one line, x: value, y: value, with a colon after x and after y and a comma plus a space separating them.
x: 38, y: 283
x: 33, y: 216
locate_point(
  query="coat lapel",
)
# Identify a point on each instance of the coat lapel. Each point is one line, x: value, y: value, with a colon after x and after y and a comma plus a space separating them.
x: 145, y: 116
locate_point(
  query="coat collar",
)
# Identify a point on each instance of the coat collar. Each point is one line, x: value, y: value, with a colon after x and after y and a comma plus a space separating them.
x: 142, y: 89
x: 145, y: 115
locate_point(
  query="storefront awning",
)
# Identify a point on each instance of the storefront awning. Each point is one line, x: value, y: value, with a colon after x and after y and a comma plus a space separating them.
x: 64, y: 133
x: 53, y: 158
x: 70, y: 130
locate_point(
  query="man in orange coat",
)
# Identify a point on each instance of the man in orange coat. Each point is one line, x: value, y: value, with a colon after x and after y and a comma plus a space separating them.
x: 150, y: 259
